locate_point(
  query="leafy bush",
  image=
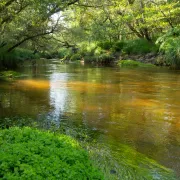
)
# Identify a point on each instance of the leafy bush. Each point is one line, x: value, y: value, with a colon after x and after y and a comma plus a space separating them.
x: 64, y: 52
x: 118, y: 46
x: 17, y: 56
x: 106, y: 45
x: 32, y: 154
x: 75, y: 57
x: 90, y: 58
x: 98, y: 51
x: 105, y: 58
x: 139, y: 46
x: 170, y: 47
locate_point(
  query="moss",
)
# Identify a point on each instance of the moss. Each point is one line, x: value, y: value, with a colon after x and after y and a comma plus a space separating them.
x: 33, y: 154
x: 132, y: 63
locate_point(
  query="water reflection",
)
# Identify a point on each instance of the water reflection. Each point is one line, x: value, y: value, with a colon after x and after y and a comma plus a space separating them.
x: 58, y: 95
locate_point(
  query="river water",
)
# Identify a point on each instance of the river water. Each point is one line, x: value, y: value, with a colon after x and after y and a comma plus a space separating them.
x: 135, y: 107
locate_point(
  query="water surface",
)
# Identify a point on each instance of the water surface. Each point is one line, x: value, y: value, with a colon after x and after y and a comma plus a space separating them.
x: 134, y: 107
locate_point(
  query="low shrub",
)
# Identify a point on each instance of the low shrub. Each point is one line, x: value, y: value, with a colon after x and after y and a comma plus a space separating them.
x: 33, y: 154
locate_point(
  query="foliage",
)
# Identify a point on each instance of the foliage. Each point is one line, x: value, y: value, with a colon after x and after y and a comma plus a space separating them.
x: 132, y: 63
x: 13, y: 58
x: 64, y: 52
x: 118, y: 46
x: 170, y: 46
x: 105, y: 45
x: 75, y: 57
x: 104, y: 58
x: 110, y: 25
x: 139, y: 46
x: 30, y: 154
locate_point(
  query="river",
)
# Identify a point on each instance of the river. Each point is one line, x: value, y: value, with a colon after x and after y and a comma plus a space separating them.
x: 139, y: 108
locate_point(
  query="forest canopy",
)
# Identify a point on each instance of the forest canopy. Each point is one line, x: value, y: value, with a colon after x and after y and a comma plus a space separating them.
x: 47, y: 25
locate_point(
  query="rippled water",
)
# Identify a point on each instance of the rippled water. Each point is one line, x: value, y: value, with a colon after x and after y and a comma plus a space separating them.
x: 134, y: 107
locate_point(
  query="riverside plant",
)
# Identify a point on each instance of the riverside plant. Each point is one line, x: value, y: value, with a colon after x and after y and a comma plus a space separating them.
x: 27, y: 153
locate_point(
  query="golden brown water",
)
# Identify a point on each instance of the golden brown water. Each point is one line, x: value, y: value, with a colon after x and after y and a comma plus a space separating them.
x: 136, y: 107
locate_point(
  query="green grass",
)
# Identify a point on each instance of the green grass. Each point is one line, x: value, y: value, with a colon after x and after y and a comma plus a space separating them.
x: 132, y: 63
x: 27, y: 153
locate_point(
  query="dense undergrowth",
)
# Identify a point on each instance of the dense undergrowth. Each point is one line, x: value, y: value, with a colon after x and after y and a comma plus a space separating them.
x: 107, y: 52
x: 14, y: 58
x: 27, y: 153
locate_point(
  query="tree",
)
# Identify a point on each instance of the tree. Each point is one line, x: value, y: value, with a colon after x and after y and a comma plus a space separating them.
x: 28, y: 20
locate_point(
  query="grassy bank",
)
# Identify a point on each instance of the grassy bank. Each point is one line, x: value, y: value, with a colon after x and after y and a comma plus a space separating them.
x: 28, y: 153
